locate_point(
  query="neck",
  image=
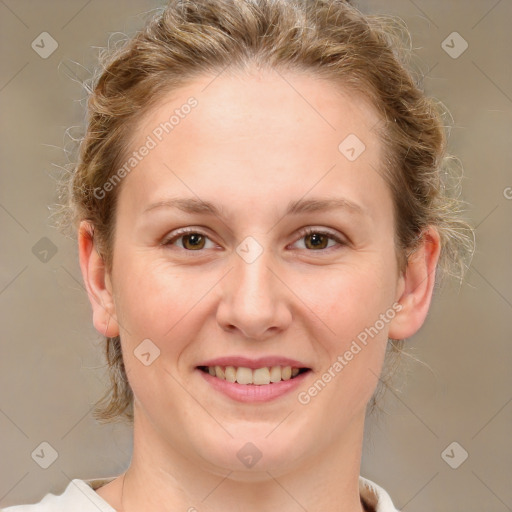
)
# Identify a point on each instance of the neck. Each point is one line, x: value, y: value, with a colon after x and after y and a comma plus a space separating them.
x: 159, y: 474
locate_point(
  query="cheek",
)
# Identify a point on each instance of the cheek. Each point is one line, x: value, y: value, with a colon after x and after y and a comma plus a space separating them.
x: 354, y: 306
x: 351, y: 299
x: 152, y: 297
x: 154, y: 302
x: 357, y: 306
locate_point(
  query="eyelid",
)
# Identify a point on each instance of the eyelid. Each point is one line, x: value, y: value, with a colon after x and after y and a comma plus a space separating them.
x: 341, y: 241
x: 184, y: 231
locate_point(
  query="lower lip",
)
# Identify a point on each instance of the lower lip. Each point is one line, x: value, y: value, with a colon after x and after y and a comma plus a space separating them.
x: 253, y: 392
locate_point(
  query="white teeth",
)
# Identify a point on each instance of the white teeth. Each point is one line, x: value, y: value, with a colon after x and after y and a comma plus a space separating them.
x: 230, y: 373
x: 259, y: 376
x: 275, y: 374
x: 219, y: 372
x: 244, y: 375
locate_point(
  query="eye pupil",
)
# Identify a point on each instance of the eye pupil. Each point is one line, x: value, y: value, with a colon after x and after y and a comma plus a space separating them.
x: 317, y: 239
x: 193, y: 239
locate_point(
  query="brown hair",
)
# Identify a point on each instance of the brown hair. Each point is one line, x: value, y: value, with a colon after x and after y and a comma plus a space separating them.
x: 326, y: 38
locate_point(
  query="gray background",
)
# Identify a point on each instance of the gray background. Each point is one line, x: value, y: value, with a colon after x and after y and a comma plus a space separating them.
x: 51, y: 361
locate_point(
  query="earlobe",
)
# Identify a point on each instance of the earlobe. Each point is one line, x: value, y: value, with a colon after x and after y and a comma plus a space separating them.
x: 417, y: 286
x: 97, y: 282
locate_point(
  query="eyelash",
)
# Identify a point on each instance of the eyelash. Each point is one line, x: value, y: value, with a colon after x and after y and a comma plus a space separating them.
x: 305, y: 232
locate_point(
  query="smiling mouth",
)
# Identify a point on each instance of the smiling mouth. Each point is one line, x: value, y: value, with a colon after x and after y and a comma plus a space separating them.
x: 257, y: 376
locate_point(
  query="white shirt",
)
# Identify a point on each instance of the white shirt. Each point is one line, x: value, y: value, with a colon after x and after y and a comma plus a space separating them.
x: 80, y: 496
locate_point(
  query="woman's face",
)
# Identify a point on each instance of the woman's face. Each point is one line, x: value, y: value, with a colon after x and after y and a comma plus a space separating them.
x: 247, y: 287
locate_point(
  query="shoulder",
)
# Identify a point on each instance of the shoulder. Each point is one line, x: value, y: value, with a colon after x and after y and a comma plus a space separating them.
x: 374, y: 497
x: 78, y: 495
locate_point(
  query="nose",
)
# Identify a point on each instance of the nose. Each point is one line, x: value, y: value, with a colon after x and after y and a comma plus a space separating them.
x: 254, y: 299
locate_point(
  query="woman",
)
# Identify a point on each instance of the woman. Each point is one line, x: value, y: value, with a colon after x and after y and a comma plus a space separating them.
x: 261, y: 218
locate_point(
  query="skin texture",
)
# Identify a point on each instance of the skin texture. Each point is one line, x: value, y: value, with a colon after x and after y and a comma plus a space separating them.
x: 252, y: 145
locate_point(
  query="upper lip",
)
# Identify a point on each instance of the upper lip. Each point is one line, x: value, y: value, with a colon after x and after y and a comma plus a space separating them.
x: 261, y: 362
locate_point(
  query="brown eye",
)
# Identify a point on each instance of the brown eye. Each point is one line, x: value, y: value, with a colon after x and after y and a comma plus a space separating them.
x: 318, y: 240
x: 191, y: 240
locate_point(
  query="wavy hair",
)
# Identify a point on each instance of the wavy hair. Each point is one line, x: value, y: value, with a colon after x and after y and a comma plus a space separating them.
x: 329, y: 39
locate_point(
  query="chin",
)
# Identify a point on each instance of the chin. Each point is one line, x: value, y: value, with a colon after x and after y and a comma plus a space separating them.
x: 252, y: 456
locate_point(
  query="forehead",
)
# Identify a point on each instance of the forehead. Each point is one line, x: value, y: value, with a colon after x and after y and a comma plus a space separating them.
x: 259, y: 104
x: 256, y: 134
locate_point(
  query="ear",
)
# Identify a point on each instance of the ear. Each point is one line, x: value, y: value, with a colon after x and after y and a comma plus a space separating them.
x: 416, y: 287
x: 97, y: 282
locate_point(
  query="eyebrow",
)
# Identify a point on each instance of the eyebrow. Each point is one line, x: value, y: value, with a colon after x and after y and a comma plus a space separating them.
x: 194, y: 205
